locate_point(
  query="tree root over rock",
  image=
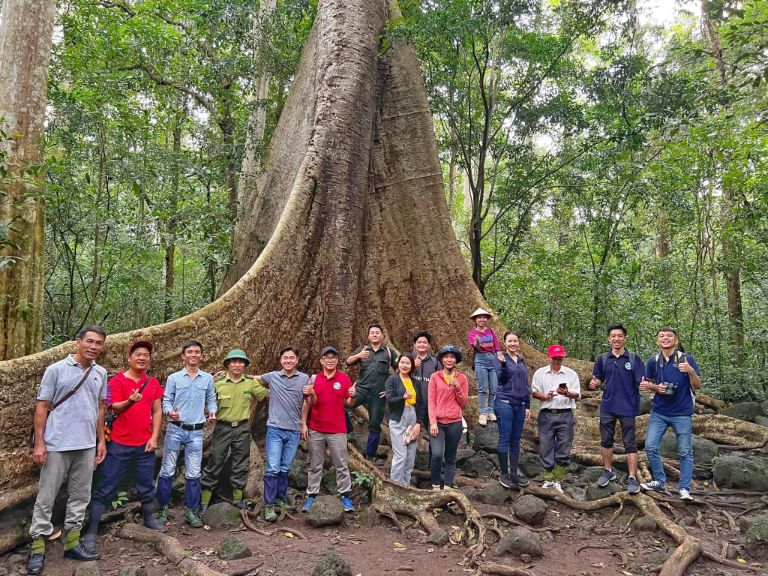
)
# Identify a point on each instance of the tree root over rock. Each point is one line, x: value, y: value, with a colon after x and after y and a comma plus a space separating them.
x: 390, y: 499
x: 169, y: 547
x: 492, y: 568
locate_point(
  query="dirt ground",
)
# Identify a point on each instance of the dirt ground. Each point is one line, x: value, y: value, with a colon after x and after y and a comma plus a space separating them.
x: 583, y: 544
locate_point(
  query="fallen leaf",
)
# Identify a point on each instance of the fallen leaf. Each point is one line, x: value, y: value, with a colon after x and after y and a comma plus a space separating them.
x: 399, y: 546
x: 288, y: 534
x: 741, y: 560
x: 626, y: 573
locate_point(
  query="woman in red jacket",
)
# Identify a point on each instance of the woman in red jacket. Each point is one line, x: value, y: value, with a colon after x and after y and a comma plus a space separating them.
x: 448, y: 393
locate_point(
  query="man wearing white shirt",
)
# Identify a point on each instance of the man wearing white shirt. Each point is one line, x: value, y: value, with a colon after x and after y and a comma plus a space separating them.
x: 557, y: 388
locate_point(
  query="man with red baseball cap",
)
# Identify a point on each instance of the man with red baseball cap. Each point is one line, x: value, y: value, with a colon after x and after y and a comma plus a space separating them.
x: 557, y: 388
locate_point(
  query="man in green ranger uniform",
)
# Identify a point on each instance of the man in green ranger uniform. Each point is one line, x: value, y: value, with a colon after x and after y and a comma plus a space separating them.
x: 232, y: 433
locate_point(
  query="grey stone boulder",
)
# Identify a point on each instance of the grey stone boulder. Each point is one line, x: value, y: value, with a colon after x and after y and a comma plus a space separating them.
x: 644, y: 524
x: 480, y: 465
x: 329, y: 480
x: 740, y: 472
x: 297, y: 477
x: 757, y: 539
x: 594, y: 492
x: 576, y: 492
x: 368, y: 517
x: 645, y: 404
x: 462, y: 455
x: 519, y: 540
x: 530, y: 465
x: 494, y: 494
x: 744, y: 411
x: 87, y: 569
x: 422, y: 460
x: 704, y: 451
x: 233, y: 549
x: 470, y: 492
x: 222, y: 516
x: 326, y: 511
x: 486, y: 438
x: 764, y: 406
x: 762, y: 420
x: 530, y: 509
x: 132, y: 570
x: 332, y: 565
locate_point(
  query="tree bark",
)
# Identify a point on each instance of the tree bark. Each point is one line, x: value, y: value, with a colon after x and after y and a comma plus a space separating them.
x: 26, y: 29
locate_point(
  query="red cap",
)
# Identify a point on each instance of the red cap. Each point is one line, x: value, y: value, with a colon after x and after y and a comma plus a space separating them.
x: 140, y: 344
x: 556, y: 351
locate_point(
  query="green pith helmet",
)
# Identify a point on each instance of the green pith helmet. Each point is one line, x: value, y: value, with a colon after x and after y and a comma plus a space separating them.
x: 236, y: 354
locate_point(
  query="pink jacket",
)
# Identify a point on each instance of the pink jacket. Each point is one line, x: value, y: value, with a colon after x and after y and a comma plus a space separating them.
x: 446, y: 401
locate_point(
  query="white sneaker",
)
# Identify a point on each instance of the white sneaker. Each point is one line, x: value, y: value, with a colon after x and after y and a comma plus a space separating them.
x: 556, y: 486
x: 491, y: 417
x: 483, y: 420
x: 685, y: 495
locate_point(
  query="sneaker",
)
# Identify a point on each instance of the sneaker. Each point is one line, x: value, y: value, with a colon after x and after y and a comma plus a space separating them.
x: 347, y: 503
x: 556, y: 486
x: 35, y: 563
x: 633, y: 486
x: 269, y: 513
x: 191, y: 518
x: 491, y: 417
x: 436, y: 487
x: 653, y: 486
x: 685, y: 495
x: 606, y: 477
x: 153, y: 524
x: 505, y: 480
x: 282, y: 504
x: 483, y: 420
x: 520, y: 480
x: 308, y: 503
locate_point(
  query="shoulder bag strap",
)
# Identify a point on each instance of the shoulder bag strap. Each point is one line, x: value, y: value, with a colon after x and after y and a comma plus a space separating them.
x: 72, y: 392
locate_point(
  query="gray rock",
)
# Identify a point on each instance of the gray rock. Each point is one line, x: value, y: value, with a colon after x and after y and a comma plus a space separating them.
x: 762, y: 420
x: 745, y: 522
x: 733, y: 471
x: 757, y: 538
x: 530, y: 465
x: 368, y: 517
x: 15, y: 559
x: 480, y: 465
x: 87, y: 569
x: 470, y: 492
x: 530, y: 509
x: 591, y: 474
x: 704, y: 451
x: 487, y: 438
x: 644, y: 524
x: 744, y: 411
x: 518, y: 541
x: 764, y: 406
x: 422, y: 460
x: 462, y: 455
x: 233, y: 549
x: 438, y: 537
x: 222, y: 516
x: 297, y: 477
x: 594, y: 492
x: 326, y: 511
x: 494, y: 494
x: 576, y: 492
x: 132, y: 571
x: 645, y: 404
x: 332, y: 565
x: 329, y: 480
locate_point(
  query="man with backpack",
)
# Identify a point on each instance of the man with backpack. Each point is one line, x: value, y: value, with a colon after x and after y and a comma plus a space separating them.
x: 69, y: 441
x: 673, y: 375
x: 621, y: 371
x: 375, y: 361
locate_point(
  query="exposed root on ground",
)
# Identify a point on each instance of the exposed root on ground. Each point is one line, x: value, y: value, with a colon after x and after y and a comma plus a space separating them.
x: 492, y: 568
x: 17, y: 496
x: 169, y: 547
x: 390, y: 499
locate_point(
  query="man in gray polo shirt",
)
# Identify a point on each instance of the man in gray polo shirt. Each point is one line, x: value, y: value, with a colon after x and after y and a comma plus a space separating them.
x: 286, y: 397
x: 69, y: 442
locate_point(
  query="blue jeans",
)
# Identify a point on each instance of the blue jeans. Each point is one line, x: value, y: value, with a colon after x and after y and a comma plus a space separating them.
x: 511, y: 419
x: 487, y: 381
x: 281, y: 447
x: 175, y: 438
x: 122, y: 460
x: 683, y: 427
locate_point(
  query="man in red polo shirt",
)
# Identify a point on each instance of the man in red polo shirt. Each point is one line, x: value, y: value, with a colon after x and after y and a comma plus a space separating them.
x: 325, y: 398
x: 136, y: 399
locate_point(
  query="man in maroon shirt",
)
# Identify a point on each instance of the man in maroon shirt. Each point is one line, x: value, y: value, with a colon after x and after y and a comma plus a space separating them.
x: 325, y: 397
x: 136, y: 399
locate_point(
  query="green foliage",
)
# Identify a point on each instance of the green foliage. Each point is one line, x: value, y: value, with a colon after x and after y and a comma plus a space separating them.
x: 121, y: 499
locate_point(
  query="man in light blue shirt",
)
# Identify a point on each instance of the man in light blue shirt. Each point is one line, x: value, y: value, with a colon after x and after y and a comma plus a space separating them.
x: 188, y: 393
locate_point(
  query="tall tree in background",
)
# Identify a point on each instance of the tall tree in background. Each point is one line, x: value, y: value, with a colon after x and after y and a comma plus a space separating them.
x: 26, y: 29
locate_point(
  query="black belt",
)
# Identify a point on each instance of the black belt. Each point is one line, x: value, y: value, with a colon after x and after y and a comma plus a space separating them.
x: 188, y: 426
x: 233, y: 424
x: 555, y: 410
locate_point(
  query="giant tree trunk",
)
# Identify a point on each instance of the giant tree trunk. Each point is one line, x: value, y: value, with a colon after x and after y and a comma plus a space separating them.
x: 361, y: 228
x: 26, y: 29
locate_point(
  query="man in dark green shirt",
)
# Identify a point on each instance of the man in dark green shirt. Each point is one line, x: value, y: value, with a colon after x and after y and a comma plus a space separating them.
x: 375, y: 361
x: 234, y: 393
